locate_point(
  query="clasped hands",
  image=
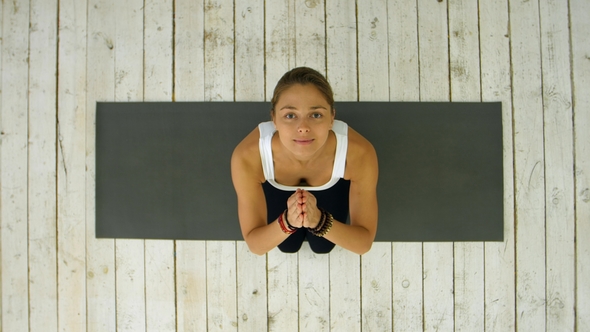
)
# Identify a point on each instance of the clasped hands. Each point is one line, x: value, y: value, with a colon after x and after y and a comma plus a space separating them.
x: 302, y: 210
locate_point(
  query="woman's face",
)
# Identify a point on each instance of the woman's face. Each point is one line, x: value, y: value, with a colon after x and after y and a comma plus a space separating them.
x: 303, y: 119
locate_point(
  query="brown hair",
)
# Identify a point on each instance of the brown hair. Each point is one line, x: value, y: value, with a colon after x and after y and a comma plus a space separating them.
x: 303, y: 76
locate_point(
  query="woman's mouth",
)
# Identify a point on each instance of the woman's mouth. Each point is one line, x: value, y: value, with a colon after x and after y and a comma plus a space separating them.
x: 303, y: 141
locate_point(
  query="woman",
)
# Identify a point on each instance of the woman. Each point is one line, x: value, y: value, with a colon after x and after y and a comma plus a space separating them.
x: 299, y: 176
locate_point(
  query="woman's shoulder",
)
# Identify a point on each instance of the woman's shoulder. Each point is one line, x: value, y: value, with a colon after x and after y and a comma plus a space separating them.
x: 358, y: 144
x: 246, y: 155
x: 361, y: 155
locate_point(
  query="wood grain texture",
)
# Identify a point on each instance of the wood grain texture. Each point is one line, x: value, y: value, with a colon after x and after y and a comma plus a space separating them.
x: 559, y: 162
x: 71, y: 167
x: 14, y: 162
x: 314, y: 290
x: 376, y: 299
x: 373, y: 51
x: 42, y: 171
x: 580, y: 47
x: 341, y: 49
x: 529, y: 166
x: 249, y: 51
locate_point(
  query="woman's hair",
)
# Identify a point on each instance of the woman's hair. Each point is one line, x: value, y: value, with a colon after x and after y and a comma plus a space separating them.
x: 303, y: 76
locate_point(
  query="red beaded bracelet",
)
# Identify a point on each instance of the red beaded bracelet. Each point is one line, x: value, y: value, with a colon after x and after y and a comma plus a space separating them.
x: 284, y: 228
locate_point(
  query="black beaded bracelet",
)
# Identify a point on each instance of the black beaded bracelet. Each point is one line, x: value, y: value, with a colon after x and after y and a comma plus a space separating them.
x: 291, y: 227
x: 324, y: 225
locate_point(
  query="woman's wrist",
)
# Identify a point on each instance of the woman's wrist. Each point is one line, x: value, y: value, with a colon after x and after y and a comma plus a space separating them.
x: 324, y: 225
x: 284, y: 224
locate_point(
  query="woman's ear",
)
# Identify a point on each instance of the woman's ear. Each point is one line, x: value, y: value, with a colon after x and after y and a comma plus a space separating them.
x: 333, y: 115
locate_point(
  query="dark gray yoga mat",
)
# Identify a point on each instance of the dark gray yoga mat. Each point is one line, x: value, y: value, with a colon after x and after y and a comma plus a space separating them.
x: 163, y: 169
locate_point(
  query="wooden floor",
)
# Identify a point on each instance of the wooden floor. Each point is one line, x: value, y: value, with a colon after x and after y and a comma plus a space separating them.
x: 59, y: 57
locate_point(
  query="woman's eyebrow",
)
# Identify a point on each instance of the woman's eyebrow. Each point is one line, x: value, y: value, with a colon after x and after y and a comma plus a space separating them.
x: 288, y: 107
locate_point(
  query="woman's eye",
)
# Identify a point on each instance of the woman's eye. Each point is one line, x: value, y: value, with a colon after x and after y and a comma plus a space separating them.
x: 316, y: 115
x: 290, y: 116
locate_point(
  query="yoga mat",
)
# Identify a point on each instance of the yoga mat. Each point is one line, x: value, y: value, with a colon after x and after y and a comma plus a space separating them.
x: 163, y: 169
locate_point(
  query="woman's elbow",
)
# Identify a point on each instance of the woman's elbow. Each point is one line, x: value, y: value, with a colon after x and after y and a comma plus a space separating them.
x: 364, y: 248
x: 255, y: 247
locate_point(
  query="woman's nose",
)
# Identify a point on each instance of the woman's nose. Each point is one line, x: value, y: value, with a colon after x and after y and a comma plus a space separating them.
x: 303, y: 127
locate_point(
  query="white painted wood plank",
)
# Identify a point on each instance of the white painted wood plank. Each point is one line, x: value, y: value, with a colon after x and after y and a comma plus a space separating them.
x: 191, y: 286
x: 529, y: 166
x: 344, y: 266
x: 13, y: 160
x: 580, y: 25
x: 404, y: 85
x: 159, y: 254
x: 376, y: 290
x: 345, y: 290
x: 42, y: 171
x: 219, y: 50
x: 129, y: 81
x: 252, y: 295
x: 433, y: 51
x: 283, y: 295
x: 438, y: 284
x: 249, y: 44
x: 160, y: 285
x: 407, y: 287
x: 373, y: 51
x: 469, y: 286
x: 280, y: 41
x: 71, y: 167
x: 314, y: 290
x: 559, y: 163
x: 188, y: 50
x: 130, y: 285
x: 221, y: 286
x: 191, y: 266
x: 157, y: 47
x: 465, y: 86
x: 496, y: 86
x: 404, y: 76
x: 128, y: 50
x: 310, y: 39
x: 341, y: 50
x: 464, y: 50
x: 100, y: 253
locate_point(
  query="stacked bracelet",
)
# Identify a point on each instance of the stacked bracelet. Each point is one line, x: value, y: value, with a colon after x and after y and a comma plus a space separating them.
x: 285, y: 226
x: 324, y: 225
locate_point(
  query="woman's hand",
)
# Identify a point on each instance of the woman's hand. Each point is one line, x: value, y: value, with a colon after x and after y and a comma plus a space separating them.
x: 302, y: 210
x: 295, y: 214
